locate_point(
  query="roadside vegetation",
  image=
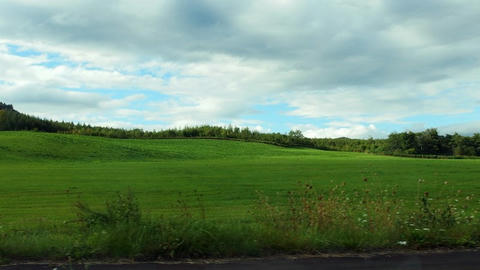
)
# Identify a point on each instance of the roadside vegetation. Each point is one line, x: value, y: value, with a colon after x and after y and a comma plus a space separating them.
x: 309, y: 221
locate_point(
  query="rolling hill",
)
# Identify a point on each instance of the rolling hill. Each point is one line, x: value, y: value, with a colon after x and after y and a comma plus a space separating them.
x: 43, y: 174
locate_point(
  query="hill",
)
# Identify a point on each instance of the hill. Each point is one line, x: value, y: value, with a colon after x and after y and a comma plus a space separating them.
x: 421, y: 144
x: 55, y: 169
x: 44, y: 147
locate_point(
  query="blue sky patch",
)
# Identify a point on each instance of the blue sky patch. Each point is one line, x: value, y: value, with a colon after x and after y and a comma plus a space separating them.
x: 19, y: 51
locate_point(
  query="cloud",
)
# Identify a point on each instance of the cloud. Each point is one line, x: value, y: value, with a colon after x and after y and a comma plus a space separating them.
x: 468, y: 128
x: 338, y: 130
x: 346, y: 42
x: 362, y: 62
x: 379, y: 105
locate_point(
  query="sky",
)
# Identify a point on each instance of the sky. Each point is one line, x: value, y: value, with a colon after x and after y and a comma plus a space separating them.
x: 343, y: 68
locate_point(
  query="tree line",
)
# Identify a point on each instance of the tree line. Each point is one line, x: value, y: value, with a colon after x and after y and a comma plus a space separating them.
x: 425, y: 143
x: 429, y: 142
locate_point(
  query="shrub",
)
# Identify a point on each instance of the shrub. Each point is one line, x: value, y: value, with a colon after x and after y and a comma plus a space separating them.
x: 123, y: 209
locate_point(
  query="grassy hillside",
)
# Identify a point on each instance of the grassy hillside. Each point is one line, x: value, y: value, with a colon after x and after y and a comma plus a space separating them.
x: 43, y: 174
x: 421, y: 144
x: 222, y: 198
x: 36, y: 146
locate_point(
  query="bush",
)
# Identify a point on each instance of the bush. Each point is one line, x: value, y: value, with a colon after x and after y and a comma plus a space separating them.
x: 123, y: 209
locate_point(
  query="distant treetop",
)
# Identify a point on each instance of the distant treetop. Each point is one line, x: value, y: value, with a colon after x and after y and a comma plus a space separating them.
x: 6, y: 107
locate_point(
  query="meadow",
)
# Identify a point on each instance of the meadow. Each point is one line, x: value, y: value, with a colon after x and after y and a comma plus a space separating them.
x: 42, y: 176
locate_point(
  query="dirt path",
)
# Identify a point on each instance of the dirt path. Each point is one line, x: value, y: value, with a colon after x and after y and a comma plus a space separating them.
x: 458, y: 260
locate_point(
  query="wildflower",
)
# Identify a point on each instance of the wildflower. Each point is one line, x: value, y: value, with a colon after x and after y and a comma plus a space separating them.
x: 402, y: 243
x: 445, y: 183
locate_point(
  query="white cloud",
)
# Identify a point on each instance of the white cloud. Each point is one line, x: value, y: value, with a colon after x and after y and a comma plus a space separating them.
x: 379, y: 105
x: 467, y: 128
x: 336, y: 130
x: 347, y: 61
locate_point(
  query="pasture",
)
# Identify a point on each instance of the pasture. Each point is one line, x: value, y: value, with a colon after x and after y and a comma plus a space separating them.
x: 42, y: 175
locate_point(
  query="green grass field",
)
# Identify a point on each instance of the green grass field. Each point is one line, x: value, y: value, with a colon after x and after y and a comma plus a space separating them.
x: 42, y: 175
x: 187, y: 198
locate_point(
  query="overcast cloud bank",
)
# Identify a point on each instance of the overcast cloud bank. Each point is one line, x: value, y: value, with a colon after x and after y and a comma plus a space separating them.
x: 374, y: 66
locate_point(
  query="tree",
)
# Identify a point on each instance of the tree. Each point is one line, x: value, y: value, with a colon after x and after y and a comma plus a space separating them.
x: 6, y: 107
x: 428, y: 142
x: 295, y: 137
x: 476, y: 142
x: 297, y: 134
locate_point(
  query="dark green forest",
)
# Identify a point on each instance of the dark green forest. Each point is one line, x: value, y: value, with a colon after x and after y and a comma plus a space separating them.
x: 427, y: 143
